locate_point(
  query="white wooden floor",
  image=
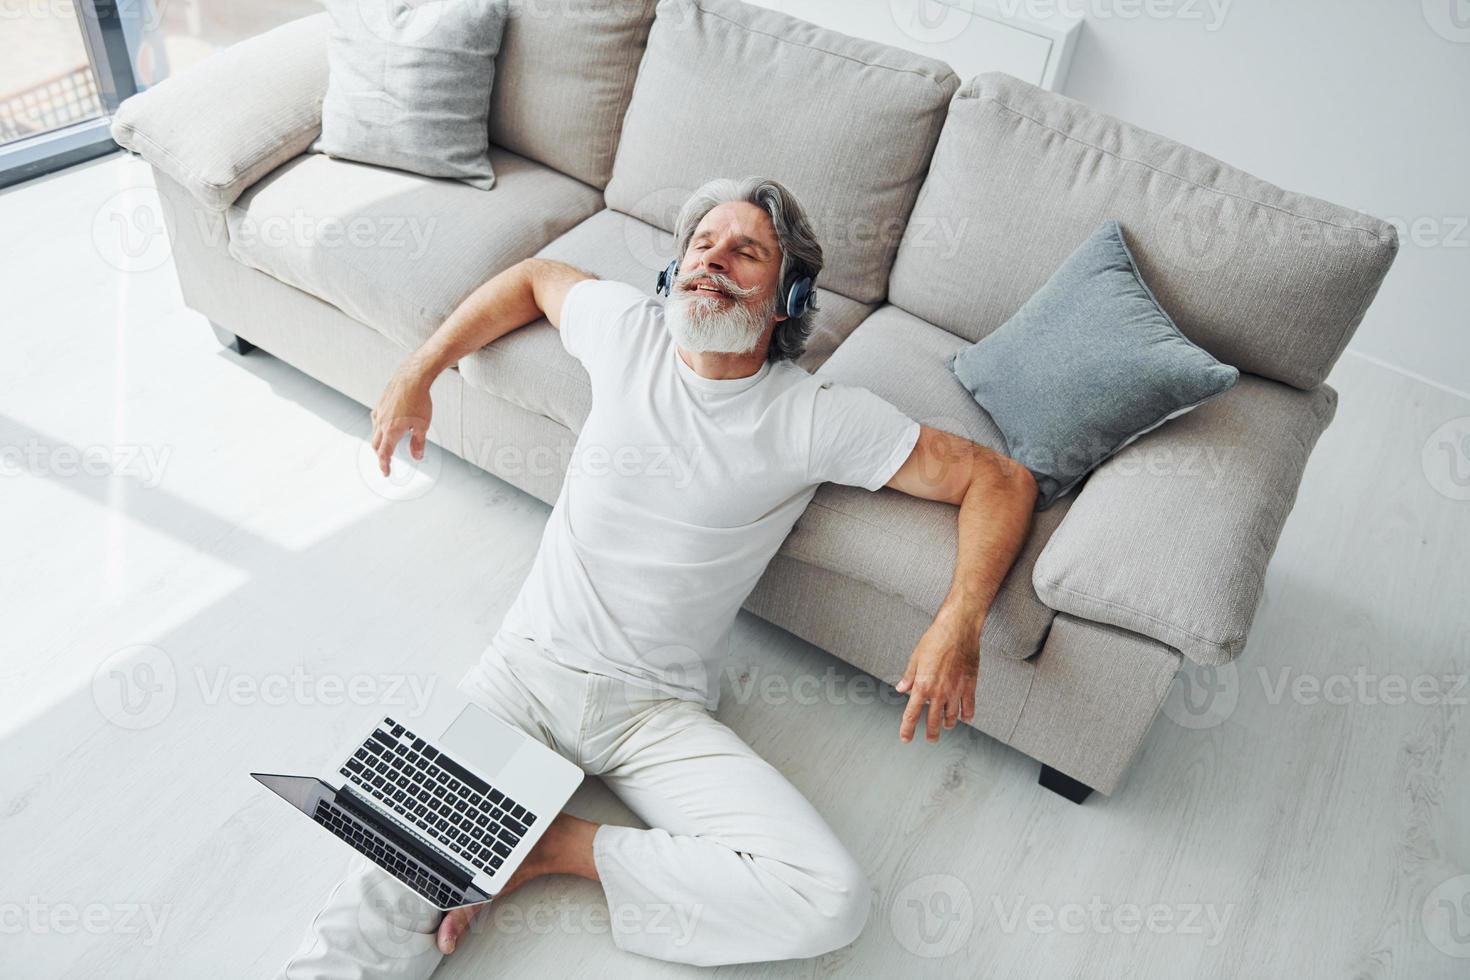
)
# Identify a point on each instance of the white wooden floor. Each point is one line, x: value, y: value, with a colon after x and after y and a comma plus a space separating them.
x: 197, y: 580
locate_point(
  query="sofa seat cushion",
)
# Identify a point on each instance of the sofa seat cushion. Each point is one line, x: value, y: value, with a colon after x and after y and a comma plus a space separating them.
x: 531, y: 369
x: 728, y: 89
x: 397, y: 251
x: 899, y: 544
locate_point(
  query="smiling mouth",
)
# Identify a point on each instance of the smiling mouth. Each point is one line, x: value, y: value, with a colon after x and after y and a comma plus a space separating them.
x: 711, y: 291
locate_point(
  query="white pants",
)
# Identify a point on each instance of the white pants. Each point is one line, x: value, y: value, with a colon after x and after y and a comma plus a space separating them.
x: 738, y: 867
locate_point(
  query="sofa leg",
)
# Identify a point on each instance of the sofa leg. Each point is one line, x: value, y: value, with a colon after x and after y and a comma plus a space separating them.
x: 1063, y: 785
x: 230, y: 341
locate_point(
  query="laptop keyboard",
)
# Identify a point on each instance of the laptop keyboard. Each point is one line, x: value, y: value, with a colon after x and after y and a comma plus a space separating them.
x: 466, y: 815
x: 387, y: 854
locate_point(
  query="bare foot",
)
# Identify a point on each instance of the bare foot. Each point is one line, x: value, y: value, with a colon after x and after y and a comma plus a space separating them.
x: 565, y: 848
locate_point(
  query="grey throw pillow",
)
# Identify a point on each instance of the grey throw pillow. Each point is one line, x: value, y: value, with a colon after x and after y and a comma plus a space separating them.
x: 1087, y: 365
x: 409, y: 85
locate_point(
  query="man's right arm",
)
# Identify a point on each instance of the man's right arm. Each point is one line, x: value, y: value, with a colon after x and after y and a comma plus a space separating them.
x: 529, y: 289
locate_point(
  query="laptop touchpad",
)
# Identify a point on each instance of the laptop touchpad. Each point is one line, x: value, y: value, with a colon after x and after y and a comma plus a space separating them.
x: 482, y: 740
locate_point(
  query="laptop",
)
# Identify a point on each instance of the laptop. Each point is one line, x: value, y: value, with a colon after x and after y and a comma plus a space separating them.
x: 451, y: 818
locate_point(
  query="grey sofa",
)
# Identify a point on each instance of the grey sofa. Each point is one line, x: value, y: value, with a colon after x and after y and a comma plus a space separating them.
x: 942, y: 207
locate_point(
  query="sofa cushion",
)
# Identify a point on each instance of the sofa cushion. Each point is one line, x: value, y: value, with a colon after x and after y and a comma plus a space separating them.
x: 563, y: 81
x: 1171, y: 538
x: 530, y: 368
x: 221, y: 125
x: 394, y: 250
x: 1267, y: 280
x: 728, y: 89
x: 1086, y: 366
x: 899, y: 544
x: 408, y: 86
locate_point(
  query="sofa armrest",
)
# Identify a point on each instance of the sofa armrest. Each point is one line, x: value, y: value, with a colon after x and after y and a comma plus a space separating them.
x: 221, y: 125
x: 1171, y: 537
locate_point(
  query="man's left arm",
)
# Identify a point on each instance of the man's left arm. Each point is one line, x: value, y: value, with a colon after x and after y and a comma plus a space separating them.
x: 996, y: 496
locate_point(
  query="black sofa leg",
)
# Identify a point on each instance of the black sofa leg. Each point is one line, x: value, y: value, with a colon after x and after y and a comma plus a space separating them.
x: 1063, y: 785
x: 230, y: 341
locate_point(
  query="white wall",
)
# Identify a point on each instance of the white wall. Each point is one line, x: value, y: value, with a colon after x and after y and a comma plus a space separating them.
x: 1361, y: 102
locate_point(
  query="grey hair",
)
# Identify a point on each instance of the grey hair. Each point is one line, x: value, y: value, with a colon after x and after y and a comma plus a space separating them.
x: 801, y: 253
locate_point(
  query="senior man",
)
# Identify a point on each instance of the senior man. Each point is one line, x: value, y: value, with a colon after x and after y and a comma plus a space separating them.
x: 612, y: 649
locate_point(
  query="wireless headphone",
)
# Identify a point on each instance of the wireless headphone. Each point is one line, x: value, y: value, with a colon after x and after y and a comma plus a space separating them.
x: 799, y: 298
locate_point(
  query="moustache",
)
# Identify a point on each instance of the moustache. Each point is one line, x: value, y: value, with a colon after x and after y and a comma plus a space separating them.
x: 721, y: 282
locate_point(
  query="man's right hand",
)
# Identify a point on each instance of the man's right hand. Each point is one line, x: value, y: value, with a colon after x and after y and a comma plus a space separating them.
x: 404, y: 406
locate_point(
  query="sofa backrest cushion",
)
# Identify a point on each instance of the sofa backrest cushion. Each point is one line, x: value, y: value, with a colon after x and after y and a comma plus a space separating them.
x: 1267, y: 280
x: 728, y: 89
x: 563, y: 80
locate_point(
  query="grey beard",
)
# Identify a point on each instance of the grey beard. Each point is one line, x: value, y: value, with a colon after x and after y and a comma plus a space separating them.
x: 701, y: 325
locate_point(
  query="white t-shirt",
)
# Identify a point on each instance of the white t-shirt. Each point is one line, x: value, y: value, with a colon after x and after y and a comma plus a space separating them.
x: 680, y: 490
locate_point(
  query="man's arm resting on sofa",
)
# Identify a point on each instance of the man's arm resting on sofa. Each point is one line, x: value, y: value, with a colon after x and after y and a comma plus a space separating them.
x: 521, y: 294
x: 221, y: 125
x: 996, y: 496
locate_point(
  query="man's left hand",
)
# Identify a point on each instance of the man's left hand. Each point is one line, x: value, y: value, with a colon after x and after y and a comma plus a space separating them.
x: 942, y: 672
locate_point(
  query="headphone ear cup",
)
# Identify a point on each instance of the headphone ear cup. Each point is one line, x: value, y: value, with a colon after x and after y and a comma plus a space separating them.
x: 799, y: 299
x: 667, y: 277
